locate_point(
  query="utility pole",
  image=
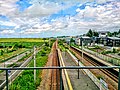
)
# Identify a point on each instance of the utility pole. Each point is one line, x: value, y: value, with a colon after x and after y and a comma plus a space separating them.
x: 49, y: 42
x: 78, y: 69
x: 17, y: 57
x: 34, y: 64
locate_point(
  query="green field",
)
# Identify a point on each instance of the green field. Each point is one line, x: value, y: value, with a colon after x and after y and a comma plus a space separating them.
x: 22, y: 40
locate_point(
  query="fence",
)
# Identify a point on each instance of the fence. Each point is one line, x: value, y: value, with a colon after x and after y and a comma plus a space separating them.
x: 60, y: 68
x: 91, y: 75
x: 103, y: 57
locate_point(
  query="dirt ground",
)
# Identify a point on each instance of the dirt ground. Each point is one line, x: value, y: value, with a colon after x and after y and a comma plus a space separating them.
x: 51, y: 78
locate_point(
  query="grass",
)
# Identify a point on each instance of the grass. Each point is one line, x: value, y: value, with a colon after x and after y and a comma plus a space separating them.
x: 26, y: 80
x: 61, y: 46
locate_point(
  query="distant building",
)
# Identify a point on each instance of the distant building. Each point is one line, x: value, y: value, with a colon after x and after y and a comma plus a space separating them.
x: 113, y: 41
x: 118, y: 35
x: 103, y: 34
x: 101, y: 40
x: 86, y: 40
x: 77, y: 41
x: 102, y: 37
x: 67, y: 39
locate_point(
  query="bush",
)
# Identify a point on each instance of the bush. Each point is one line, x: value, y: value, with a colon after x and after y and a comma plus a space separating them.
x: 119, y: 54
x: 114, y: 50
x: 43, y: 53
x: 100, y: 77
x: 106, y: 52
x: 1, y: 52
x: 97, y: 47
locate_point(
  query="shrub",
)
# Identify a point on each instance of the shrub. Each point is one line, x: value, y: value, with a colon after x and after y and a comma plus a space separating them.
x: 114, y: 50
x: 99, y: 76
x: 119, y: 53
x: 106, y: 52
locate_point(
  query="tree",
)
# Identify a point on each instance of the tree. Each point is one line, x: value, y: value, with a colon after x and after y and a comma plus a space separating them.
x: 114, y: 50
x: 89, y: 33
x: 95, y: 34
x: 119, y: 31
x: 115, y: 33
x: 72, y: 40
x: 1, y: 52
x: 109, y: 34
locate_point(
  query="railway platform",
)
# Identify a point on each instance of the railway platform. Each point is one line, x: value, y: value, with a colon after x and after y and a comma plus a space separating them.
x: 84, y: 82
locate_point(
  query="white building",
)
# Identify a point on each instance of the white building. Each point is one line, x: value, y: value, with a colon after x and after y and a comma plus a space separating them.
x: 103, y: 34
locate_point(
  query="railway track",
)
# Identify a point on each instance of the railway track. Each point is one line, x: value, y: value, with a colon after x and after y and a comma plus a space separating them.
x: 55, y: 74
x: 113, y: 74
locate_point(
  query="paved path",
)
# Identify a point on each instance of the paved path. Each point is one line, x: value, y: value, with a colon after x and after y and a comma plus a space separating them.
x: 14, y: 60
x: 84, y: 82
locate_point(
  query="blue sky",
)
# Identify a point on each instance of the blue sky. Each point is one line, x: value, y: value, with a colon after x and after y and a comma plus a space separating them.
x: 49, y: 18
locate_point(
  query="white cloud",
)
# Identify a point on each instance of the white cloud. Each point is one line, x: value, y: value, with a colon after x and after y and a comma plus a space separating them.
x: 32, y: 20
x: 7, y: 23
x: 7, y: 7
x: 7, y: 32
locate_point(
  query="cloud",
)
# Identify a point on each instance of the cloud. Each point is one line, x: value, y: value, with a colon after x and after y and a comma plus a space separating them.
x: 38, y: 18
x: 41, y: 9
x: 7, y: 23
x: 7, y: 32
x: 7, y: 7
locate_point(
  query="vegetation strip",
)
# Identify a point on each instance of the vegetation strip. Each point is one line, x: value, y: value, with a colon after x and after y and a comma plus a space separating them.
x: 26, y: 80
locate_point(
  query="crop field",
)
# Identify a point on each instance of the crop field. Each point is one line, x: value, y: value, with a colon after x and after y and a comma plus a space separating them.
x: 22, y: 40
x: 10, y: 47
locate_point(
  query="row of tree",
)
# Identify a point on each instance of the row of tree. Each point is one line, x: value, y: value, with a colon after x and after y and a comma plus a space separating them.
x: 92, y: 33
x: 110, y: 34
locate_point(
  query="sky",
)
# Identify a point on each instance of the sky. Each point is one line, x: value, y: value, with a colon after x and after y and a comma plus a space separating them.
x: 51, y: 18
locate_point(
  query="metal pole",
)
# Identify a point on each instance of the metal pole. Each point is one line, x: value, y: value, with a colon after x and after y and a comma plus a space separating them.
x: 61, y: 79
x: 82, y: 51
x: 7, y: 80
x: 78, y: 69
x: 119, y: 80
x: 34, y: 65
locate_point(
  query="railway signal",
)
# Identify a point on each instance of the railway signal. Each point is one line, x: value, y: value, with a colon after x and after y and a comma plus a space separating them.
x: 9, y: 72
